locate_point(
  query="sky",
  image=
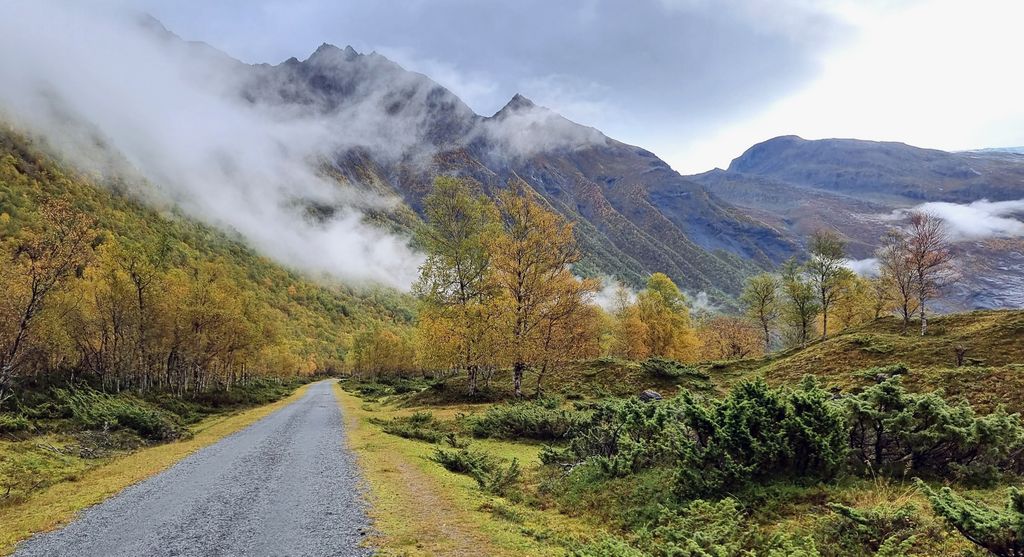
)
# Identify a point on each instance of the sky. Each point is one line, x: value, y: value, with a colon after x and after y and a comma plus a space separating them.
x: 695, y: 81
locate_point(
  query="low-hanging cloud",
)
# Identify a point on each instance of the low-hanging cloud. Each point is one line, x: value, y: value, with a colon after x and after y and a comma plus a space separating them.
x: 978, y: 220
x: 864, y: 267
x: 107, y: 91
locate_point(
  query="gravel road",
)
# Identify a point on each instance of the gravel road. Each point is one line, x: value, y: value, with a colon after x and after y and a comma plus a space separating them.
x: 286, y: 485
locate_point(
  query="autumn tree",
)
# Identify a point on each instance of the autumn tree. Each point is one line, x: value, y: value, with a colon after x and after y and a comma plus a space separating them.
x: 825, y: 267
x: 897, y: 273
x: 532, y: 258
x: 728, y: 337
x: 801, y: 302
x: 856, y: 303
x: 662, y: 308
x: 455, y: 280
x: 41, y: 263
x: 630, y: 333
x: 930, y: 259
x: 760, y: 299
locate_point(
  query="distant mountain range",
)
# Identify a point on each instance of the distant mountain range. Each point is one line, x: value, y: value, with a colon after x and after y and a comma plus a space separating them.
x: 796, y: 186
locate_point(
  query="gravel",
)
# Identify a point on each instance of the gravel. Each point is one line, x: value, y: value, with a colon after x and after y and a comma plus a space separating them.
x: 285, y: 486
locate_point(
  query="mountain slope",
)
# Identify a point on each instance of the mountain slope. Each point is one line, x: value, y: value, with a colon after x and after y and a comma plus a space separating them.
x: 634, y: 214
x: 315, y: 321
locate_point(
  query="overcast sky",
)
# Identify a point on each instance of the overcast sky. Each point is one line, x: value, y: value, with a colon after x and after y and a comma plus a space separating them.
x: 695, y: 81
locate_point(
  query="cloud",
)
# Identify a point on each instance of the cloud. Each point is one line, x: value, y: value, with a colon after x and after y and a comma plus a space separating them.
x: 978, y: 220
x: 863, y: 267
x: 613, y: 295
x: 524, y: 129
x: 113, y: 95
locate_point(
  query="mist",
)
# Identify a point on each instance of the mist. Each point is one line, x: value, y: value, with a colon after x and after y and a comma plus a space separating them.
x: 978, y: 220
x: 118, y: 97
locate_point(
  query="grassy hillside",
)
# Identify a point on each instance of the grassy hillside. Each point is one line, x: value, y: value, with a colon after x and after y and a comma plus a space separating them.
x: 993, y: 370
x: 316, y: 320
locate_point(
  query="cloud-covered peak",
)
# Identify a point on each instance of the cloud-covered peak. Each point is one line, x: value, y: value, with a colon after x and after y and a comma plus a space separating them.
x: 516, y: 103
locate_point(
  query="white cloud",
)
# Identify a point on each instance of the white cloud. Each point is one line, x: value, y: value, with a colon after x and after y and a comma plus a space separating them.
x: 863, y: 267
x: 980, y: 219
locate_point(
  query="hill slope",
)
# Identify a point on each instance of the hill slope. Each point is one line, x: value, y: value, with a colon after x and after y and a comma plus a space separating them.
x: 315, y: 319
x: 993, y: 373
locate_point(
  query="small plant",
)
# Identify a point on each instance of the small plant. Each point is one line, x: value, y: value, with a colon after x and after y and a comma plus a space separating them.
x: 10, y: 423
x: 489, y: 472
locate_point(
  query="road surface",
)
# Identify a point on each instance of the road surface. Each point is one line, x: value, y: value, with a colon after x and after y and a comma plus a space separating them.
x: 284, y: 486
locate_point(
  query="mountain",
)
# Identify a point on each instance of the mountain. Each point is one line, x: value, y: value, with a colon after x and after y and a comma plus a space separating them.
x: 634, y: 215
x: 854, y: 186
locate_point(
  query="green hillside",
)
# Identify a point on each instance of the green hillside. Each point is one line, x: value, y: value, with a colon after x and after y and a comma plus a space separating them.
x: 992, y: 370
x: 314, y: 320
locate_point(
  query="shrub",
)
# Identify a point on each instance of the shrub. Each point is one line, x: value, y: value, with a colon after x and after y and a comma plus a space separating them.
x: 756, y: 432
x: 10, y: 423
x: 664, y: 368
x: 607, y: 546
x: 887, y: 529
x: 92, y: 409
x: 542, y: 420
x: 892, y: 429
x: 488, y: 471
x: 422, y: 426
x: 1000, y: 531
x: 623, y: 436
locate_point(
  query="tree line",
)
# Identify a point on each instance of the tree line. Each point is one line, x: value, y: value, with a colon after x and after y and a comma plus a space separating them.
x: 83, y: 303
x: 822, y: 295
x: 497, y: 291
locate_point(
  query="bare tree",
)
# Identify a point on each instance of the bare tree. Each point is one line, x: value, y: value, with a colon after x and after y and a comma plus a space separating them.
x: 930, y: 259
x: 897, y: 273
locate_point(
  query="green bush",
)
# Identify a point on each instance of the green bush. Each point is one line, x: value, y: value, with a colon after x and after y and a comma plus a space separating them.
x: 542, y: 420
x: 893, y: 430
x: 489, y: 472
x: 999, y: 531
x: 10, y: 423
x: 422, y: 426
x: 701, y: 529
x: 755, y: 433
x: 883, y: 530
x: 664, y: 368
x: 91, y: 409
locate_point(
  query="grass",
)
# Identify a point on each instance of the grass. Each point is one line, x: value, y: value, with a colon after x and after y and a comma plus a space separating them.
x: 81, y: 483
x: 419, y: 508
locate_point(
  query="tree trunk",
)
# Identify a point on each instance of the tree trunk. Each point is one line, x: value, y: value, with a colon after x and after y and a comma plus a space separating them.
x: 472, y: 370
x: 517, y: 372
x: 924, y: 320
x: 824, y: 324
x: 767, y: 339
